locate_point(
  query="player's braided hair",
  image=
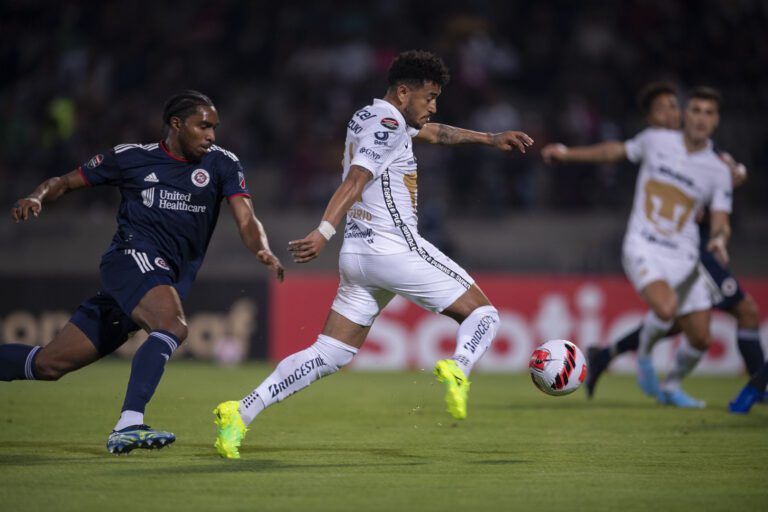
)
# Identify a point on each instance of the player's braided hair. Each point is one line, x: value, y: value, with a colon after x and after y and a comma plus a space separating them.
x: 651, y: 91
x: 414, y: 67
x: 184, y: 104
x: 702, y: 92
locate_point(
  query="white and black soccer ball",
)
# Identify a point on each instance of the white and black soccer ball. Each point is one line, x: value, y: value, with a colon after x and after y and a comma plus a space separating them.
x: 557, y: 367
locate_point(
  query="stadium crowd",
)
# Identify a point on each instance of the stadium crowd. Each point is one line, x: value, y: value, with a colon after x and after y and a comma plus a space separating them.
x: 78, y: 75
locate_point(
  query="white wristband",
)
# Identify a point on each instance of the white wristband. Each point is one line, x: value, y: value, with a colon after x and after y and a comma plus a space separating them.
x: 34, y: 200
x: 326, y: 229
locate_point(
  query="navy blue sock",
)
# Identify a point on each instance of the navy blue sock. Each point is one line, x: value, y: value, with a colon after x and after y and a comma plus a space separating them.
x: 17, y: 362
x: 751, y: 351
x: 628, y: 343
x: 759, y: 380
x: 147, y: 368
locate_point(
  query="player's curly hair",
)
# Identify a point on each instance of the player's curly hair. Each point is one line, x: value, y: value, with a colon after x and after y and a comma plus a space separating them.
x: 651, y: 91
x: 414, y: 67
x: 184, y: 104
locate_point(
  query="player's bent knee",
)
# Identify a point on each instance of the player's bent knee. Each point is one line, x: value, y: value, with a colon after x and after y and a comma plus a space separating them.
x: 176, y: 327
x: 666, y: 311
x: 335, y: 354
x: 700, y: 342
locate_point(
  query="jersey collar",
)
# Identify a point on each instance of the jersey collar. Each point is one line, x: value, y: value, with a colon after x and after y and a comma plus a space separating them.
x: 164, y: 148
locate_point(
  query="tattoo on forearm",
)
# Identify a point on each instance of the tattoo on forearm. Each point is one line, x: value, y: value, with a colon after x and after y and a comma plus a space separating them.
x: 450, y: 135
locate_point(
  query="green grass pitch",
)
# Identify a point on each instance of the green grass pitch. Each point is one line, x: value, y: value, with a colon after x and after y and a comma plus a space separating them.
x: 381, y: 441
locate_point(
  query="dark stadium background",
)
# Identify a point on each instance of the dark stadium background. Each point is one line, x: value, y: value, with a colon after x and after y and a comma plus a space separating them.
x: 79, y: 77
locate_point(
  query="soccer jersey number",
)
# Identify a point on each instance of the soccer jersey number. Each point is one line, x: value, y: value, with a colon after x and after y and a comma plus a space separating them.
x: 667, y: 207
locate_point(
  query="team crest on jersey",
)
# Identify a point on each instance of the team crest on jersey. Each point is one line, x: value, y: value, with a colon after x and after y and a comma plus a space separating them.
x: 241, y: 178
x: 160, y: 262
x: 201, y: 178
x: 390, y: 123
x: 95, y: 161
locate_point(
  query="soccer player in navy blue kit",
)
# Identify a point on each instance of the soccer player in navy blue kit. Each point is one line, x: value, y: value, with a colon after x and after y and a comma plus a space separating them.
x: 171, y: 193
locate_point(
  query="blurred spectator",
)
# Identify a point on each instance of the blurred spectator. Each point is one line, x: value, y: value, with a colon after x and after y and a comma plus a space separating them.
x: 79, y: 75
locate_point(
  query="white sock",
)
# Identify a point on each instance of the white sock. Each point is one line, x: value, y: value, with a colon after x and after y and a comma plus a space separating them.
x: 475, y: 335
x: 129, y: 418
x: 654, y: 328
x: 297, y: 371
x: 686, y: 359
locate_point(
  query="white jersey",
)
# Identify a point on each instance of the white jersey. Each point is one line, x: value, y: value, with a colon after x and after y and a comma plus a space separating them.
x: 672, y: 187
x: 383, y: 220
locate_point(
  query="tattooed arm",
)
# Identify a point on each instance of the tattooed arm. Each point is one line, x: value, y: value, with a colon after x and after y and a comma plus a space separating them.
x: 436, y: 133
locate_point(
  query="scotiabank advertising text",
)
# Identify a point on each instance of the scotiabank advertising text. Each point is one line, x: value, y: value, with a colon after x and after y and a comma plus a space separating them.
x: 585, y: 309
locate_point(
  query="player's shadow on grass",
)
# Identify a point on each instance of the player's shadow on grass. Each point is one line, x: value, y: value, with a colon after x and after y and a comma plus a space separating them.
x: 251, y: 464
x: 568, y: 405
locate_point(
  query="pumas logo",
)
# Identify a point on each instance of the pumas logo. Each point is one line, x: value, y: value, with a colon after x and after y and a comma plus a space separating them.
x: 148, y: 197
x: 390, y: 123
x: 201, y: 178
x: 151, y: 178
x: 160, y: 262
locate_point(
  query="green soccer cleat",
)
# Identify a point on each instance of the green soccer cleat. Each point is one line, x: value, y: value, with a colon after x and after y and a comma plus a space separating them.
x: 230, y: 429
x: 456, y: 387
x: 138, y: 436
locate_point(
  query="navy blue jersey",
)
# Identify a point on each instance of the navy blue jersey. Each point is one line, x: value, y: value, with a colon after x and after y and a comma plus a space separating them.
x: 168, y: 204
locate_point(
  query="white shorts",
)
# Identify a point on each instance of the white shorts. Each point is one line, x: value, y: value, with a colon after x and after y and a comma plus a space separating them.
x: 645, y: 262
x: 428, y: 278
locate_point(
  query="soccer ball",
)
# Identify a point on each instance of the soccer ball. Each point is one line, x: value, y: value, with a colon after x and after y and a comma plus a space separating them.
x: 557, y: 367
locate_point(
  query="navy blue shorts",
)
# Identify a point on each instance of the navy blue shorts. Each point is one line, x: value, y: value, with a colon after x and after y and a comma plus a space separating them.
x: 126, y: 276
x: 730, y: 289
x: 104, y: 323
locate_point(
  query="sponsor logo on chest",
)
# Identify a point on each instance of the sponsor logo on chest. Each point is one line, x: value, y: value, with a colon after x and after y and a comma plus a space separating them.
x: 170, y: 200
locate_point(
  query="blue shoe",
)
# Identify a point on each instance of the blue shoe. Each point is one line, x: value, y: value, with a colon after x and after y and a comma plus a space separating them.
x: 743, y: 403
x: 138, y: 436
x: 646, y: 376
x: 678, y: 398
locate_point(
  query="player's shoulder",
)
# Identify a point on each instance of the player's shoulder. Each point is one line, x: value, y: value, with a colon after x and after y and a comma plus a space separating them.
x: 136, y: 150
x: 219, y: 153
x: 712, y: 156
x: 662, y: 134
x: 377, y: 116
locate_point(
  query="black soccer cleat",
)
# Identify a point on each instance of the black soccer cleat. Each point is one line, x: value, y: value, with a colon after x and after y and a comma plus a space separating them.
x: 138, y: 436
x: 598, y: 360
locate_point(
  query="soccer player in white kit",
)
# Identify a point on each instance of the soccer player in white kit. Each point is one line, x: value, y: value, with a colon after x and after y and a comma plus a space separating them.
x: 658, y: 101
x: 383, y: 254
x: 680, y: 174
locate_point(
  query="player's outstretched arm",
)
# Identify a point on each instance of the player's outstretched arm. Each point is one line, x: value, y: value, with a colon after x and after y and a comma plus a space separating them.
x: 719, y: 233
x: 436, y: 133
x: 738, y: 170
x: 49, y: 190
x: 350, y: 190
x: 602, y: 153
x: 253, y: 235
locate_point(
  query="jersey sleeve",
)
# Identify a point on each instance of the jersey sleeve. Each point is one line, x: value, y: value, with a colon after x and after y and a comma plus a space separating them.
x: 637, y: 146
x: 377, y: 147
x: 232, y: 178
x: 722, y: 196
x: 102, y: 169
